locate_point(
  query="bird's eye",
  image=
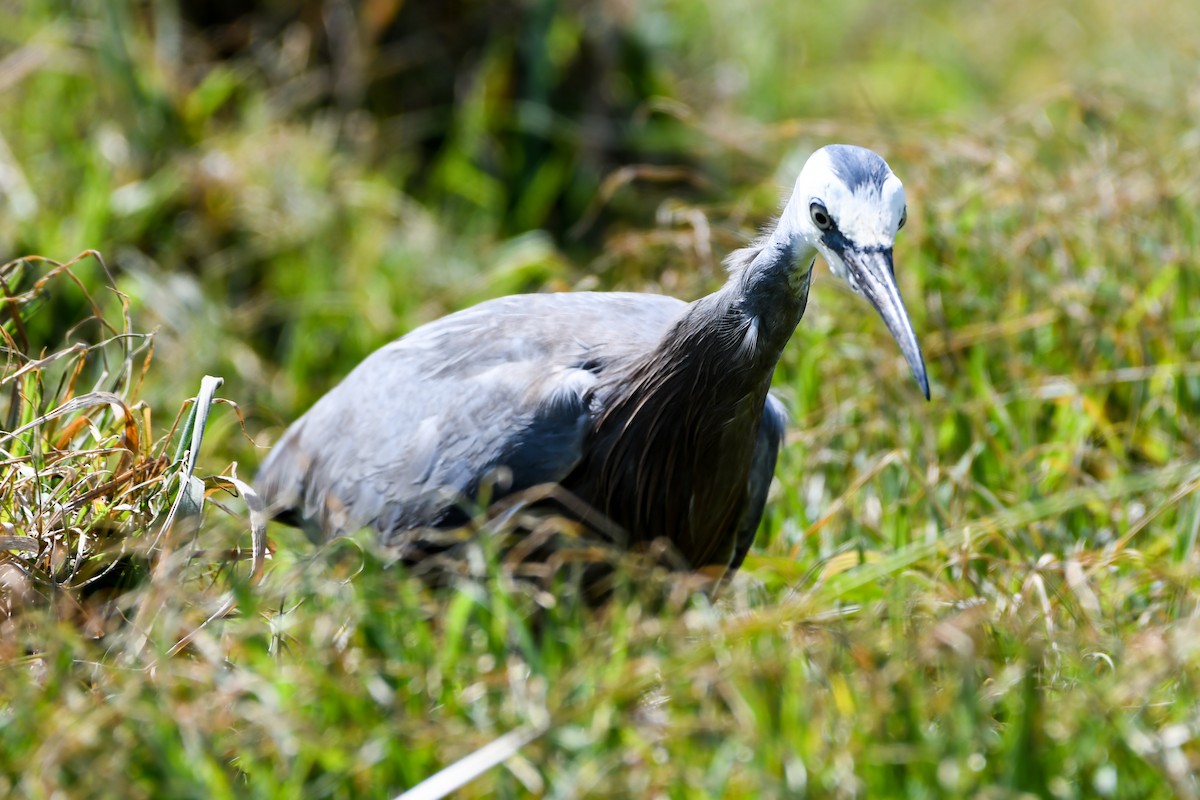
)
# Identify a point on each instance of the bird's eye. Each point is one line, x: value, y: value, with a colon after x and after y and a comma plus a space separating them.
x: 820, y: 216
x: 903, y: 218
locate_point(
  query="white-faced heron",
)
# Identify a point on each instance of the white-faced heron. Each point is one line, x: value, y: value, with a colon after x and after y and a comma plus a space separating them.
x: 652, y: 412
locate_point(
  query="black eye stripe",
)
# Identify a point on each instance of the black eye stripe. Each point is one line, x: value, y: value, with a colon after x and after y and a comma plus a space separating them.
x: 836, y: 241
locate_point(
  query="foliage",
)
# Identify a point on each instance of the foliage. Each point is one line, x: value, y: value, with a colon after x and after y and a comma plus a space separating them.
x: 991, y: 595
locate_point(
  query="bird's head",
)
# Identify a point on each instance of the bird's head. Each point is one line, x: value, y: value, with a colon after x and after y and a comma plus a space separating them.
x: 849, y: 205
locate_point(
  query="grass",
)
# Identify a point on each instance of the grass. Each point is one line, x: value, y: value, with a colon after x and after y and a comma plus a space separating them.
x: 990, y: 595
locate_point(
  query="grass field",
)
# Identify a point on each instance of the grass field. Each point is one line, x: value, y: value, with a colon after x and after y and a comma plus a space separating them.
x: 993, y: 594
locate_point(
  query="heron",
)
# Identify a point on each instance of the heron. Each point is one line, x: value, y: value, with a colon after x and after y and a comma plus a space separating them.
x: 654, y: 413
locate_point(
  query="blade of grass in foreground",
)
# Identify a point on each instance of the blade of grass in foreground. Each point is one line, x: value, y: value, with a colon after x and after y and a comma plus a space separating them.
x: 470, y: 767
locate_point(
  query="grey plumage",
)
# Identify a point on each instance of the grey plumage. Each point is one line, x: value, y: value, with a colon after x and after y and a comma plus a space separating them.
x: 653, y: 412
x: 858, y: 168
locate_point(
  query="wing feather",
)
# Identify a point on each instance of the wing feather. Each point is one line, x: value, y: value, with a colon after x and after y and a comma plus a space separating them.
x: 500, y: 389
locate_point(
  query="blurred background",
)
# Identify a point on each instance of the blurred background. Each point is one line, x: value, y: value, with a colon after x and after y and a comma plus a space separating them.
x: 279, y: 188
x: 992, y: 594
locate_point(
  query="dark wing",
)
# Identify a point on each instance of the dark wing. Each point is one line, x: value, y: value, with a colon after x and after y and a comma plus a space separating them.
x: 766, y: 451
x: 496, y: 394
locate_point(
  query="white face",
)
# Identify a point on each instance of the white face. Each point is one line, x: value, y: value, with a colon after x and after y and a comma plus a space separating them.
x: 865, y: 215
x: 848, y: 206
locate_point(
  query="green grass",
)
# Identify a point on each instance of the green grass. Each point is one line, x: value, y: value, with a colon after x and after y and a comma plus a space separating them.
x: 993, y: 594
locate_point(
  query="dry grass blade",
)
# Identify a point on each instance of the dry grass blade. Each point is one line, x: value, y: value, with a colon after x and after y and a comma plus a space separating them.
x: 73, y: 405
x: 258, y: 523
x: 23, y: 544
x: 460, y: 773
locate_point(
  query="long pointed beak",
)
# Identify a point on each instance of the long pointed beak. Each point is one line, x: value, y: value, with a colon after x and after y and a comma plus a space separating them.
x: 872, y: 271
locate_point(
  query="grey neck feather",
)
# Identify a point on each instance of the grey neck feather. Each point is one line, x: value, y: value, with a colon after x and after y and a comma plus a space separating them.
x: 680, y: 424
x: 744, y: 326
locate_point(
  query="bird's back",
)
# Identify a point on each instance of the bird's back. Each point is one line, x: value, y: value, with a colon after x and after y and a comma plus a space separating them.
x: 419, y: 424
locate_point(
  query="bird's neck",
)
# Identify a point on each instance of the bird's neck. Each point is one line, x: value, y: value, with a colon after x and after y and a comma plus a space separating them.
x: 722, y: 352
x: 672, y: 451
x: 763, y: 301
x: 772, y: 290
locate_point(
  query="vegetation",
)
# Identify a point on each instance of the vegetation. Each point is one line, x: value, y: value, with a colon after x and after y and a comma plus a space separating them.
x: 992, y: 595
